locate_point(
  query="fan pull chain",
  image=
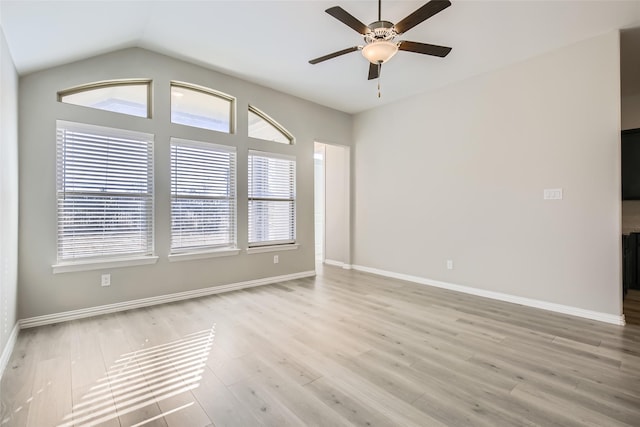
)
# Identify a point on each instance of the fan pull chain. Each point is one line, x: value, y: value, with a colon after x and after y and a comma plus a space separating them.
x: 379, y: 79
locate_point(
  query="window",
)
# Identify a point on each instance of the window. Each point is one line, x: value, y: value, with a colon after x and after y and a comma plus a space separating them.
x: 201, y: 107
x: 121, y: 96
x: 264, y: 127
x: 104, y: 192
x: 272, y: 199
x: 203, y: 202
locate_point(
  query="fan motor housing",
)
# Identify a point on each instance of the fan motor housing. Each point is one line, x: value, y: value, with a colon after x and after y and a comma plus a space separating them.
x: 380, y: 30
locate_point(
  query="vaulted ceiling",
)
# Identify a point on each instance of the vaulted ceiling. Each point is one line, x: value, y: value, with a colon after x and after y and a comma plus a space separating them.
x: 270, y: 42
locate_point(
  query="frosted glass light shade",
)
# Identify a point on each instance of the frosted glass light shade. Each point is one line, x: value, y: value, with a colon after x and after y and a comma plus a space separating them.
x: 379, y: 52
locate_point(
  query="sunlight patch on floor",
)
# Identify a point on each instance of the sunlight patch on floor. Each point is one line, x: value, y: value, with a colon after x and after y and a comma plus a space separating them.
x: 144, y: 377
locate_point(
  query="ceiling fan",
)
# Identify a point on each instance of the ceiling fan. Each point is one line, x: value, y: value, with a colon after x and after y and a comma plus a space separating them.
x: 379, y: 36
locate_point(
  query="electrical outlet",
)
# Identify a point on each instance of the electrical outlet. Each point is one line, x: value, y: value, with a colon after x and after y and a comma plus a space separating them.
x: 449, y: 264
x: 105, y: 280
x: 552, y: 194
x: 276, y: 259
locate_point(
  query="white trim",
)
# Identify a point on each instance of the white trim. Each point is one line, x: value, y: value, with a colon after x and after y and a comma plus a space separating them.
x: 337, y: 264
x: 203, y: 144
x: 272, y: 248
x: 8, y: 348
x: 271, y: 154
x: 216, y: 253
x: 67, y: 267
x: 544, y: 305
x: 333, y: 262
x: 162, y: 299
x: 111, y: 131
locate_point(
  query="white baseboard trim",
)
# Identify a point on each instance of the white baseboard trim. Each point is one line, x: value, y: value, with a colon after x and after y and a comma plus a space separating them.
x: 162, y: 299
x: 333, y: 263
x: 8, y: 349
x: 337, y: 264
x: 544, y: 305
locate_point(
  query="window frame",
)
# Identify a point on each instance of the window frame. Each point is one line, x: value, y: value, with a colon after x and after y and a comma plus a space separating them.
x: 110, y: 83
x: 205, y: 251
x: 262, y: 246
x: 102, y: 259
x: 264, y: 116
x: 206, y: 91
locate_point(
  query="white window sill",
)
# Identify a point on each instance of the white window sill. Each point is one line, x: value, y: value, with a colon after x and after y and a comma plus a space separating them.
x: 274, y: 248
x: 68, y: 267
x: 187, y: 256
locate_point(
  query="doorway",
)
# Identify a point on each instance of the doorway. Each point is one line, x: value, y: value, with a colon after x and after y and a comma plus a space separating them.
x: 332, y: 204
x: 630, y: 160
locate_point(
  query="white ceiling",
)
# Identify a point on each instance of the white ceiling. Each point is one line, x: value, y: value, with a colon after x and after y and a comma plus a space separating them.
x: 270, y: 42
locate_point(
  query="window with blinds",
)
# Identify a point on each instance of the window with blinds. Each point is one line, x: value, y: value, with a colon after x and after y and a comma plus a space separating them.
x: 104, y: 192
x: 203, y: 196
x: 272, y: 199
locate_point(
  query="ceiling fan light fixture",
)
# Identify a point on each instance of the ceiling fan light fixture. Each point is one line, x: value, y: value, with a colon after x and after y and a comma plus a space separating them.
x: 379, y: 52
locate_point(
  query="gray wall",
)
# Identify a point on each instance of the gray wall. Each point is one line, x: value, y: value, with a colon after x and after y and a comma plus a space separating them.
x: 42, y: 292
x: 459, y: 174
x: 631, y: 111
x: 8, y: 192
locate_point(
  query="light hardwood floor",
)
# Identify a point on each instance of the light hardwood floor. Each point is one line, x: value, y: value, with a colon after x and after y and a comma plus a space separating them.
x: 344, y: 348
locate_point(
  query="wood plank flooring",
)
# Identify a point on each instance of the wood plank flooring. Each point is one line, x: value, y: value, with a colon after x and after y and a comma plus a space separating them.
x: 344, y: 348
x: 631, y: 307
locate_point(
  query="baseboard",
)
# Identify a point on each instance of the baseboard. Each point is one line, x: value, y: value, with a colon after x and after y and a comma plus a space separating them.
x: 544, y: 305
x: 333, y: 263
x: 337, y: 264
x: 162, y: 299
x: 8, y: 349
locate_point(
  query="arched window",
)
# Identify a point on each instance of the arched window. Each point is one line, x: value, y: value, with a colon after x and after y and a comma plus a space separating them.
x: 121, y: 96
x: 201, y: 107
x: 262, y: 126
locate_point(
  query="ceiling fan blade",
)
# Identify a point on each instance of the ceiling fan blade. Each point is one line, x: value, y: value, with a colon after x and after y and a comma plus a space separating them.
x: 427, y: 49
x: 346, y: 18
x: 334, y: 54
x: 374, y: 71
x: 425, y: 12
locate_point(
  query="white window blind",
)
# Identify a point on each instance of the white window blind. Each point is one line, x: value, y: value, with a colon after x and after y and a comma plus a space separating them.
x: 272, y: 199
x: 203, y: 202
x: 104, y: 192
